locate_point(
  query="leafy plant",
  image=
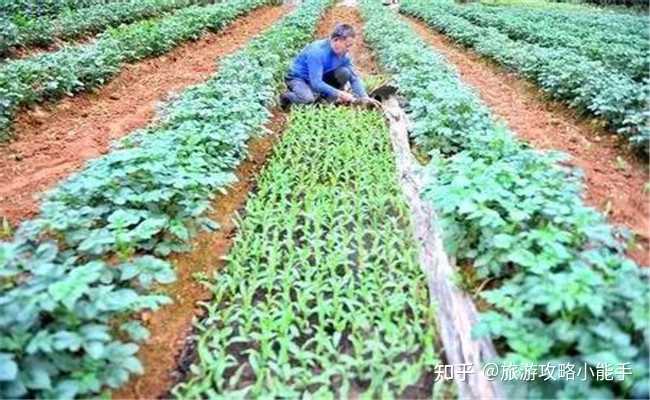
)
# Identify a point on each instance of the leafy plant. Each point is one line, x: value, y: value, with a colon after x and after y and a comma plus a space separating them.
x: 616, y: 40
x: 55, y: 321
x: 38, y: 8
x: 72, y: 24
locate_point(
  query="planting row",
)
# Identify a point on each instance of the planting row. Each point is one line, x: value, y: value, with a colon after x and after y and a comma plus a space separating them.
x: 80, y: 68
x: 559, y: 287
x: 67, y: 275
x: 593, y: 22
x: 322, y: 294
x: 19, y: 31
x: 566, y: 75
x: 605, y: 20
x: 620, y: 51
x: 38, y: 8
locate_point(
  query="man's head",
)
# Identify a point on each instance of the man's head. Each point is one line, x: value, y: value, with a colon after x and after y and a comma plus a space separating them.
x: 342, y: 38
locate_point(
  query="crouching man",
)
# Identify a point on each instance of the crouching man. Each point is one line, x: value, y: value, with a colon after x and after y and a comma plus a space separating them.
x: 322, y: 69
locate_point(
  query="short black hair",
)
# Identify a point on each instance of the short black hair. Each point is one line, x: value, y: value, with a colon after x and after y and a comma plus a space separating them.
x: 342, y: 31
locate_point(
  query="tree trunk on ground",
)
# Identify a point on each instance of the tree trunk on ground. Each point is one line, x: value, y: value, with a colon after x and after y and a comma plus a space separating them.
x: 456, y: 312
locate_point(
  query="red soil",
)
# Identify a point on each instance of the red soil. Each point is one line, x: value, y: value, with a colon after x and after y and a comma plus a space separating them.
x: 615, y: 178
x: 56, y: 140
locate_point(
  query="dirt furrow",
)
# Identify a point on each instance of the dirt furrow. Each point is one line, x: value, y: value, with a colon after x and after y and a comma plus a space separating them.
x: 56, y: 140
x: 615, y: 179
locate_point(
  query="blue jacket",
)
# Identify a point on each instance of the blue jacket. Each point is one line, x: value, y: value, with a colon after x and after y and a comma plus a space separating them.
x: 317, y: 59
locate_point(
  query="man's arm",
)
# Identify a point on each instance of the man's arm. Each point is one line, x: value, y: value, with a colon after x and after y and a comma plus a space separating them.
x: 356, y: 83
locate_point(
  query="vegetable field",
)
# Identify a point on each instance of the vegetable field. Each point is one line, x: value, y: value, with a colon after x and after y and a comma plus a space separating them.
x: 603, y: 71
x: 185, y: 237
x: 324, y: 293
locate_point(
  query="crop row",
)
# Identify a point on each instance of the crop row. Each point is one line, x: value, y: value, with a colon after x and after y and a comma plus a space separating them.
x: 322, y: 294
x: 38, y: 8
x: 560, y: 289
x: 24, y: 32
x: 601, y: 19
x: 67, y: 275
x: 80, y: 68
x: 620, y: 51
x: 566, y: 75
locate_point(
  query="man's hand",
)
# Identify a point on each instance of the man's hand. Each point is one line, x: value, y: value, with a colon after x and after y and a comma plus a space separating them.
x: 369, y: 101
x: 345, y: 97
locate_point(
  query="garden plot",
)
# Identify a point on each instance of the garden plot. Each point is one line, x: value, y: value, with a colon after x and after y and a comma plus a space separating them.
x: 584, y: 84
x: 75, y: 69
x: 322, y: 292
x: 552, y: 275
x: 621, y: 44
x: 34, y: 9
x: 615, y: 178
x: 56, y: 140
x: 61, y: 297
x: 20, y: 31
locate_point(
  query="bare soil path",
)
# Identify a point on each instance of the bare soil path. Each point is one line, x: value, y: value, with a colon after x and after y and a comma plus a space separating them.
x: 56, y: 140
x: 615, y: 178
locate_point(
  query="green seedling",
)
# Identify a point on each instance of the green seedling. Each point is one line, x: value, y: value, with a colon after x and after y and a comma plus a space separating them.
x: 621, y: 164
x: 6, y: 231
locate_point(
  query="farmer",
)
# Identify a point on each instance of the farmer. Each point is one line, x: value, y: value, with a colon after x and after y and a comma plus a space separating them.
x: 322, y: 69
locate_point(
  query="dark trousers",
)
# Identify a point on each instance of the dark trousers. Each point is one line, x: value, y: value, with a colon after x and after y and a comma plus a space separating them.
x: 301, y: 93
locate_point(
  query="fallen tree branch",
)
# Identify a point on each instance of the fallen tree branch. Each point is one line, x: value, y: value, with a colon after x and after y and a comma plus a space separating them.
x: 457, y: 313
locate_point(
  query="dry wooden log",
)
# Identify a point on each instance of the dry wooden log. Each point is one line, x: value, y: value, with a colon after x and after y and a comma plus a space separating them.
x: 457, y: 313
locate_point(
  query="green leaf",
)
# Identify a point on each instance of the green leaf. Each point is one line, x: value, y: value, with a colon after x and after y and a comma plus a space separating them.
x: 8, y: 368
x: 467, y: 206
x: 96, y: 332
x: 97, y: 242
x: 66, y: 340
x: 165, y: 276
x: 95, y: 350
x: 522, y: 257
x: 122, y: 218
x: 38, y: 378
x: 149, y: 228
x: 75, y: 285
x: 67, y: 389
x: 503, y: 241
x: 179, y: 230
x: 133, y: 365
x: 136, y: 331
x: 46, y: 252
